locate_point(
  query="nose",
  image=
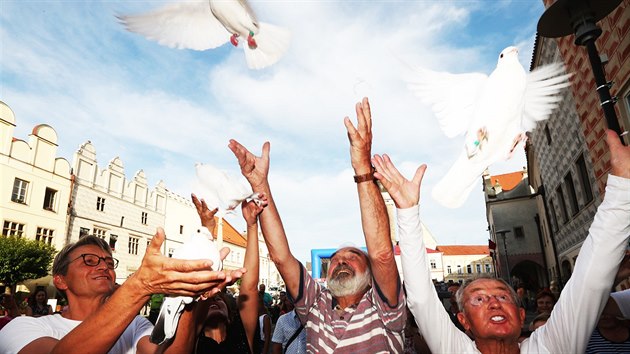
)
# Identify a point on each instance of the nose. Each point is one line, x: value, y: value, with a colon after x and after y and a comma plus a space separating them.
x: 493, y: 302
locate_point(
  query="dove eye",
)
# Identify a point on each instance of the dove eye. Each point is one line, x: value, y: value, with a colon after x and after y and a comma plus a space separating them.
x: 501, y: 56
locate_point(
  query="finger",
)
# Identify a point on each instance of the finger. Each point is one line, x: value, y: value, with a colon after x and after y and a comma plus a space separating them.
x: 352, y: 131
x: 396, y: 176
x: 156, y: 241
x: 361, y: 124
x: 224, y: 252
x: 367, y: 112
x: 195, y: 200
x: 417, y: 178
x: 612, y: 139
x: 384, y: 181
x: 265, y: 150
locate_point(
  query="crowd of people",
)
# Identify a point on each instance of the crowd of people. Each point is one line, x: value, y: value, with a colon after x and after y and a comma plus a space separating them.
x: 364, y: 307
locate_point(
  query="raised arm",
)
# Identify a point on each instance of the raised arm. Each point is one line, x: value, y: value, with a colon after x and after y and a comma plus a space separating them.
x: 256, y: 170
x: 248, y: 293
x: 374, y: 219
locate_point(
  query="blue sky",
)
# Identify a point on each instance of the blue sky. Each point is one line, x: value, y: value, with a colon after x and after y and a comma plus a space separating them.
x: 71, y: 65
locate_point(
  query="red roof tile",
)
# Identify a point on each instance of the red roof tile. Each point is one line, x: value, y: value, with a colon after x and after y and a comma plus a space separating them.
x: 507, y: 181
x: 460, y: 250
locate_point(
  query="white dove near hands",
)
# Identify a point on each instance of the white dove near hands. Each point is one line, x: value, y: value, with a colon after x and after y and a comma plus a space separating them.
x: 199, y: 246
x: 221, y: 190
x: 207, y: 24
x: 493, y: 112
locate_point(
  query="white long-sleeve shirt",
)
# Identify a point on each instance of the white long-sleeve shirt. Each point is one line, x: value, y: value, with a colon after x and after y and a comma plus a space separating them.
x: 575, y: 314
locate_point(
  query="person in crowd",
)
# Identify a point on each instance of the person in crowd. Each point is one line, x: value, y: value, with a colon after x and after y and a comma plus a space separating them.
x: 612, y: 334
x: 521, y: 292
x: 102, y: 320
x: 9, y: 307
x: 363, y: 305
x: 538, y: 321
x: 545, y: 300
x: 489, y: 307
x: 262, y: 343
x: 289, y: 335
x: 267, y: 298
x: 225, y: 330
x: 38, y: 304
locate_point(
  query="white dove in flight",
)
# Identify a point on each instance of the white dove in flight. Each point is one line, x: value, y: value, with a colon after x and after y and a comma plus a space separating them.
x: 493, y: 112
x: 207, y: 24
x: 199, y: 246
x: 221, y: 190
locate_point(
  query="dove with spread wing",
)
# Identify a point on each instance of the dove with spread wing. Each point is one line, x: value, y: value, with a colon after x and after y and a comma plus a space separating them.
x: 221, y: 190
x: 492, y: 112
x: 207, y: 24
x: 199, y: 246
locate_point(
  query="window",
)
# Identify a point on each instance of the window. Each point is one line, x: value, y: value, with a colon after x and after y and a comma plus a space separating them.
x: 20, y: 187
x: 584, y: 180
x: 563, y: 206
x: 44, y: 235
x: 100, y: 233
x: 554, y: 217
x: 433, y: 264
x: 478, y: 267
x: 100, y: 203
x: 459, y: 269
x: 519, y: 232
x: 548, y: 134
x: 469, y: 269
x: 488, y: 268
x: 568, y: 181
x: 181, y: 229
x: 49, y: 199
x: 122, y: 221
x: 448, y: 269
x: 170, y: 252
x: 133, y: 245
x: 84, y: 231
x: 112, y: 241
x: 11, y: 228
x: 144, y: 218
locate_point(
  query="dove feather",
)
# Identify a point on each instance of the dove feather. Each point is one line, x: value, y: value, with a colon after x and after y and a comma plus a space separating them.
x: 182, y: 25
x: 273, y: 42
x: 452, y: 97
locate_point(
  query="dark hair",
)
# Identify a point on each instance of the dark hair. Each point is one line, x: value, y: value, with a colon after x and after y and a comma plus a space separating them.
x: 60, y: 264
x: 546, y: 293
x: 32, y: 300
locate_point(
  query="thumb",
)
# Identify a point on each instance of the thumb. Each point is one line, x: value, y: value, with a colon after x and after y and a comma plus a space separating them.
x: 157, y: 241
x: 417, y: 178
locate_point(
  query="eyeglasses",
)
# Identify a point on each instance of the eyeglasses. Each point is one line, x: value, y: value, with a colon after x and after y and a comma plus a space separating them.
x: 482, y: 299
x: 93, y: 260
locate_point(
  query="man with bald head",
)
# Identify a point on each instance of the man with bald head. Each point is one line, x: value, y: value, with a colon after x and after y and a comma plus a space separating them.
x: 362, y: 309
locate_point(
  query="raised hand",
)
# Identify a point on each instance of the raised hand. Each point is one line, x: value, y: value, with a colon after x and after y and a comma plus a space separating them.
x: 360, y: 138
x: 254, y: 168
x: 205, y: 214
x: 251, y: 209
x: 619, y: 155
x: 404, y: 192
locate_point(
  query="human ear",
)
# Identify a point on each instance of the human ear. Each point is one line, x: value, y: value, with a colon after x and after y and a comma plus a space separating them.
x: 60, y: 282
x: 463, y: 320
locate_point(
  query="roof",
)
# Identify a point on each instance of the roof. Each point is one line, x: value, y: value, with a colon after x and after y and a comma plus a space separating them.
x: 460, y: 250
x: 230, y: 235
x: 508, y: 180
x: 397, y: 250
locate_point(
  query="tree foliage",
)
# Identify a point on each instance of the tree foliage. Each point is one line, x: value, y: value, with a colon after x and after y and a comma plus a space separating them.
x: 22, y: 259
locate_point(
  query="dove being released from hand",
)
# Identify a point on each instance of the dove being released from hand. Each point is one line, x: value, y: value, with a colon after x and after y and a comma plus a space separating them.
x: 493, y: 112
x: 199, y: 246
x: 221, y: 190
x: 207, y: 24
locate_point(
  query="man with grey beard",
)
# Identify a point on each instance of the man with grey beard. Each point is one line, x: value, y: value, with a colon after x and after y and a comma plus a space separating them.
x: 363, y: 308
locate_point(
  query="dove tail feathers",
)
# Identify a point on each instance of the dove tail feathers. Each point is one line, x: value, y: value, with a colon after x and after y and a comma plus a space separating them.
x: 272, y: 41
x: 455, y: 187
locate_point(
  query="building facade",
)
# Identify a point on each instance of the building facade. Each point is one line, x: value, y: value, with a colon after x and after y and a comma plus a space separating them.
x: 35, y: 183
x: 570, y: 148
x: 512, y: 215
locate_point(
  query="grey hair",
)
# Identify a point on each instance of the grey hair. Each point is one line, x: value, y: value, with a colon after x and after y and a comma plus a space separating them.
x: 459, y: 295
x: 61, y: 262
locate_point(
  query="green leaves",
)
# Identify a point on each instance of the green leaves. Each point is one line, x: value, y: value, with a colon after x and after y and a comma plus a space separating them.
x: 22, y: 259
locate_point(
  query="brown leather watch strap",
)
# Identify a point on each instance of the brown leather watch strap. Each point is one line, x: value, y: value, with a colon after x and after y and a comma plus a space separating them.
x: 364, y: 178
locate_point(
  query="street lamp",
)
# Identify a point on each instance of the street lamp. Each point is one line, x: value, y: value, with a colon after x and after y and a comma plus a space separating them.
x: 564, y: 17
x: 503, y: 234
